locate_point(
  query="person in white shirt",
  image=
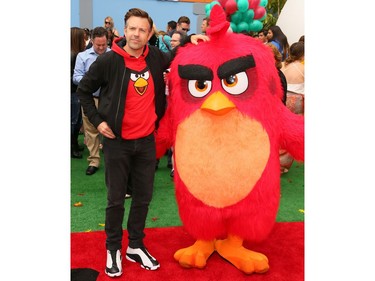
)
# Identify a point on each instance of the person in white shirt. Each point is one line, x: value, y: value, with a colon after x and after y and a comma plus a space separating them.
x: 294, y: 71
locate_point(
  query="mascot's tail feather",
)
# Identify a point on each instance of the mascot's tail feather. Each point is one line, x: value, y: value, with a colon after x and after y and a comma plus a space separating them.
x: 163, y: 135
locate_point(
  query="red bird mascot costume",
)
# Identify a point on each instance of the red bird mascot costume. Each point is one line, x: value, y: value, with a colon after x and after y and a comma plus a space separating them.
x: 226, y: 123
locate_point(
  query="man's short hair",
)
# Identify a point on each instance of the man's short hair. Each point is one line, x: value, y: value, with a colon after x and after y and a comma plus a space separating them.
x: 172, y: 24
x: 184, y: 19
x: 99, y: 31
x: 136, y: 12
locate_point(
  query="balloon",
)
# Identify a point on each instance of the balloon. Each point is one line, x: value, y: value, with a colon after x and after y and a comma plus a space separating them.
x: 213, y: 3
x: 263, y: 3
x: 243, y: 26
x: 207, y: 9
x: 236, y: 17
x: 263, y: 18
x: 249, y: 15
x: 259, y: 12
x: 230, y: 7
x: 253, y: 4
x: 243, y: 5
x: 233, y: 26
x: 256, y: 26
x: 244, y: 16
x: 222, y: 2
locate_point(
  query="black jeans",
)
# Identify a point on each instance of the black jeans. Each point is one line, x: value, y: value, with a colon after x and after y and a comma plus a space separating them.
x: 123, y: 158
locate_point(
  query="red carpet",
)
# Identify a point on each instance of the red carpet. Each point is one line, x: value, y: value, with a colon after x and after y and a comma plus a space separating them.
x: 284, y: 249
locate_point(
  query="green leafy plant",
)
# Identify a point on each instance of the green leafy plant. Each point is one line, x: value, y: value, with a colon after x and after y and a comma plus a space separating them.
x: 273, y: 9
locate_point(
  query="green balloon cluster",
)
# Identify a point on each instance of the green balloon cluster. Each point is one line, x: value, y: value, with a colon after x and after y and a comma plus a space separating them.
x: 243, y: 15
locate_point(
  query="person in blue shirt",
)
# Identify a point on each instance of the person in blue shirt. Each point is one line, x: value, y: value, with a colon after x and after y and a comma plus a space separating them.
x: 84, y: 60
x: 276, y: 37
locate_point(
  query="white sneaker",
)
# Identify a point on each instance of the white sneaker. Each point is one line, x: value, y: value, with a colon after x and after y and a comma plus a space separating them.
x: 142, y: 256
x: 114, y: 266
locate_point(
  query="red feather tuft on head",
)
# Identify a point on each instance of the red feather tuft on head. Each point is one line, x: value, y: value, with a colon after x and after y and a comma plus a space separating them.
x: 218, y: 21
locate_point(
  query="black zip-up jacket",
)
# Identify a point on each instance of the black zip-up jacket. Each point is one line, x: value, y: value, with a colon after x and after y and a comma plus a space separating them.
x: 108, y: 72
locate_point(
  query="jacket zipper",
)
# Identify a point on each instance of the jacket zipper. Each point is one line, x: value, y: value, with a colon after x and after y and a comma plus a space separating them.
x: 119, y: 99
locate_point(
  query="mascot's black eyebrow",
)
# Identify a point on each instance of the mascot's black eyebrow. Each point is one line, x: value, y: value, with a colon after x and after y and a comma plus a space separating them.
x: 195, y: 72
x: 235, y: 66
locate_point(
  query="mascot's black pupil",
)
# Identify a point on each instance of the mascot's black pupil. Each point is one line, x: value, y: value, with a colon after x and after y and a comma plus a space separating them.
x: 231, y: 79
x: 201, y: 84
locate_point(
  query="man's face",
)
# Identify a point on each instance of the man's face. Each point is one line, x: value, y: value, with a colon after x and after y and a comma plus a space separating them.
x: 204, y: 26
x: 99, y: 44
x: 175, y: 40
x: 137, y: 32
x: 184, y: 27
x: 262, y: 37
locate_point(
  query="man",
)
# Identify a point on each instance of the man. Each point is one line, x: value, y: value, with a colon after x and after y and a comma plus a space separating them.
x: 178, y: 38
x: 262, y: 36
x: 171, y: 27
x: 83, y: 62
x: 204, y: 25
x: 131, y: 103
x: 183, y: 24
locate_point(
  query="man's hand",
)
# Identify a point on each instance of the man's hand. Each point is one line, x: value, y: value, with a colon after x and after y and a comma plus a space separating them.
x: 105, y: 130
x: 196, y: 37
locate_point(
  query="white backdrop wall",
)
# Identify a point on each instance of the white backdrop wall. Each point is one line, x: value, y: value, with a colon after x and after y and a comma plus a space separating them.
x: 292, y: 20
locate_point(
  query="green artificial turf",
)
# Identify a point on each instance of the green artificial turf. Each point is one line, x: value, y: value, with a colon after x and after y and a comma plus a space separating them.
x: 163, y: 212
x: 292, y: 203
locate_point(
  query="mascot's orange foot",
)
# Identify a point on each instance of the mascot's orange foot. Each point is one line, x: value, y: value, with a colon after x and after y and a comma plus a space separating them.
x: 245, y: 260
x: 195, y: 255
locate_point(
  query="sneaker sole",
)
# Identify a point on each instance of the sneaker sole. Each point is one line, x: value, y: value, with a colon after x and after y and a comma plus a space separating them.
x: 145, y: 267
x: 113, y: 274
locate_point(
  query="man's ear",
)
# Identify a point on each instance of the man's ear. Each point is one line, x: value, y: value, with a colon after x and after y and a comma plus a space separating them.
x: 150, y: 35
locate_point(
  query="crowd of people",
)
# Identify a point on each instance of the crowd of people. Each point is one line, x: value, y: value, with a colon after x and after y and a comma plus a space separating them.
x: 290, y: 63
x: 119, y: 90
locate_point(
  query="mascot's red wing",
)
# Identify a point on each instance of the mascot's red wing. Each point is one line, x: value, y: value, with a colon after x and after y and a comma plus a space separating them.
x: 163, y: 135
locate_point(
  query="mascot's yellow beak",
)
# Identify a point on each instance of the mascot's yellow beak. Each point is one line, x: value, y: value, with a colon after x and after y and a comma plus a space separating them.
x: 217, y: 104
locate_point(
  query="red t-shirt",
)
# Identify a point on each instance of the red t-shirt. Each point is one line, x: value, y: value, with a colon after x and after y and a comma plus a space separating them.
x: 139, y: 118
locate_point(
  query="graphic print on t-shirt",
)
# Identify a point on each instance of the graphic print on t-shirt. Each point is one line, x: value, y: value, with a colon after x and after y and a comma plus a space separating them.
x: 140, y: 80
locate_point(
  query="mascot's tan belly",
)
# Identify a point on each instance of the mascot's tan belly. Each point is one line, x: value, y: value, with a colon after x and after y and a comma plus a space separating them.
x: 220, y: 158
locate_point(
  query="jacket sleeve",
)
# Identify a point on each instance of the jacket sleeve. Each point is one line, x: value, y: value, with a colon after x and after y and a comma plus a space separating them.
x: 89, y: 84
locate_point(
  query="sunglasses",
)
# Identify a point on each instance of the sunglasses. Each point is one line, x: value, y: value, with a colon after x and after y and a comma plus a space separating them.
x: 107, y: 22
x: 185, y: 29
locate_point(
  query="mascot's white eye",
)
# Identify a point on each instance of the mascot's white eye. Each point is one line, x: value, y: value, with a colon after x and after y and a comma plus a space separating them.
x: 135, y: 76
x: 199, y: 88
x: 235, y: 84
